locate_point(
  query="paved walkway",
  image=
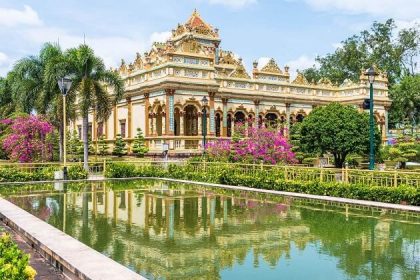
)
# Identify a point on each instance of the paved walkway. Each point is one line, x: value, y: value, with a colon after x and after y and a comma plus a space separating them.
x: 44, y: 270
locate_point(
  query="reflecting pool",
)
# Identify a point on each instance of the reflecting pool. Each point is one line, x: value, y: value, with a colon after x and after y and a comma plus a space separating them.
x: 171, y: 231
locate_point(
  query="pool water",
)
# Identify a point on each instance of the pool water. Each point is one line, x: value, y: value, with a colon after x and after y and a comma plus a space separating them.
x: 175, y: 231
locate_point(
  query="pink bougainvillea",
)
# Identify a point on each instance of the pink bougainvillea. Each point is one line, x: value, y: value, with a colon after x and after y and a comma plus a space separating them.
x: 218, y: 149
x: 28, y: 139
x: 264, y: 144
x: 254, y: 145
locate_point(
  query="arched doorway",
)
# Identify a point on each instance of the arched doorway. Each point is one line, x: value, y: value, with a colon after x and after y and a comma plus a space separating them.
x: 217, y: 124
x: 271, y: 120
x: 159, y: 116
x: 177, y: 122
x: 239, y: 117
x: 191, y: 121
x: 300, y: 117
x: 229, y: 125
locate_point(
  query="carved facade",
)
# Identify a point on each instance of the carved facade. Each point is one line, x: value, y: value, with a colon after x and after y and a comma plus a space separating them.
x: 165, y: 86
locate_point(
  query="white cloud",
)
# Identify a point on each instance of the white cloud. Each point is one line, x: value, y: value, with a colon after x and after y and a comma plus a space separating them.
x: 233, y: 3
x: 262, y: 61
x: 160, y: 36
x: 13, y: 17
x: 407, y: 9
x: 301, y: 63
x: 4, y: 64
x: 111, y: 49
x: 3, y: 59
x: 337, y: 45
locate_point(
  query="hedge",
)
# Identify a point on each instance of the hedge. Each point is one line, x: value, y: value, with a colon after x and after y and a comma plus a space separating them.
x: 9, y: 174
x: 264, y: 179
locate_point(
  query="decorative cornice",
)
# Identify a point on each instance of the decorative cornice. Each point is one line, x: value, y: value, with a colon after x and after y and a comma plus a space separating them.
x: 271, y: 67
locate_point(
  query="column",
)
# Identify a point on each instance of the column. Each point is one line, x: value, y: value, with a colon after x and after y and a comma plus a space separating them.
x: 164, y: 123
x: 129, y: 118
x: 129, y: 122
x: 115, y: 121
x: 287, y: 119
x: 224, y: 130
x: 146, y: 114
x: 169, y: 110
x: 257, y: 111
x: 212, y: 127
x: 181, y: 123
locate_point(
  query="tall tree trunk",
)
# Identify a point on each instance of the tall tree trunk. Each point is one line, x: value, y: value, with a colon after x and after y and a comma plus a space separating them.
x: 85, y: 142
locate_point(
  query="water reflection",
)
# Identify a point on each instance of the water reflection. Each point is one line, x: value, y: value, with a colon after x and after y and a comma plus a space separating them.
x: 174, y: 231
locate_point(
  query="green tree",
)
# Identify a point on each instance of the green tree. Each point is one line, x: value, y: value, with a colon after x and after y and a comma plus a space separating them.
x: 406, y: 100
x: 337, y: 129
x: 74, y: 145
x: 103, y: 146
x: 394, y: 54
x: 89, y: 81
x: 139, y: 145
x: 119, y: 146
x: 33, y: 86
x: 7, y: 103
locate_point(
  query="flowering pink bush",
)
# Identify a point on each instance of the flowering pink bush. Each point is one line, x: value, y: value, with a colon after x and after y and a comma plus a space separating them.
x: 219, y: 149
x: 28, y: 139
x: 261, y: 144
x: 264, y: 144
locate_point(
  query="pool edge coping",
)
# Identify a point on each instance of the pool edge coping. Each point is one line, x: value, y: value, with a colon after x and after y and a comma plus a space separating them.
x: 53, y: 244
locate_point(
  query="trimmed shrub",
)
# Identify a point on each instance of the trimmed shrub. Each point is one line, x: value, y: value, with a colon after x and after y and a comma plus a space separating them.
x: 76, y: 172
x: 14, y: 264
x: 120, y: 170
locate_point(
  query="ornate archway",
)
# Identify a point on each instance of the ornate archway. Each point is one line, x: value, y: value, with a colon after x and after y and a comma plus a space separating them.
x: 229, y: 125
x: 217, y: 123
x: 271, y: 120
x: 239, y: 117
x: 177, y: 122
x: 191, y: 121
x: 159, y: 116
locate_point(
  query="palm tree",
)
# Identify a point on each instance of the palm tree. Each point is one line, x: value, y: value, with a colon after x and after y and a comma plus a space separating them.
x: 34, y: 86
x: 90, y: 81
x: 7, y: 104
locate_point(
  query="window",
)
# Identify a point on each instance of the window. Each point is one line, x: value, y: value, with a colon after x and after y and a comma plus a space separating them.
x: 122, y: 128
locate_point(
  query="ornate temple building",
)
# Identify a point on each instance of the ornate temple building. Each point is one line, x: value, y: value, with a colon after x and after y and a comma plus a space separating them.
x: 165, y: 87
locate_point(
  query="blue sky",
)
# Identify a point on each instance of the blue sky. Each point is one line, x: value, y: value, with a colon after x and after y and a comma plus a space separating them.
x: 291, y: 31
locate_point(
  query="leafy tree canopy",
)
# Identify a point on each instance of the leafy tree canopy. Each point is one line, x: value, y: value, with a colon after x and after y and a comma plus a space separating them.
x: 406, y: 100
x: 337, y: 129
x: 391, y: 50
